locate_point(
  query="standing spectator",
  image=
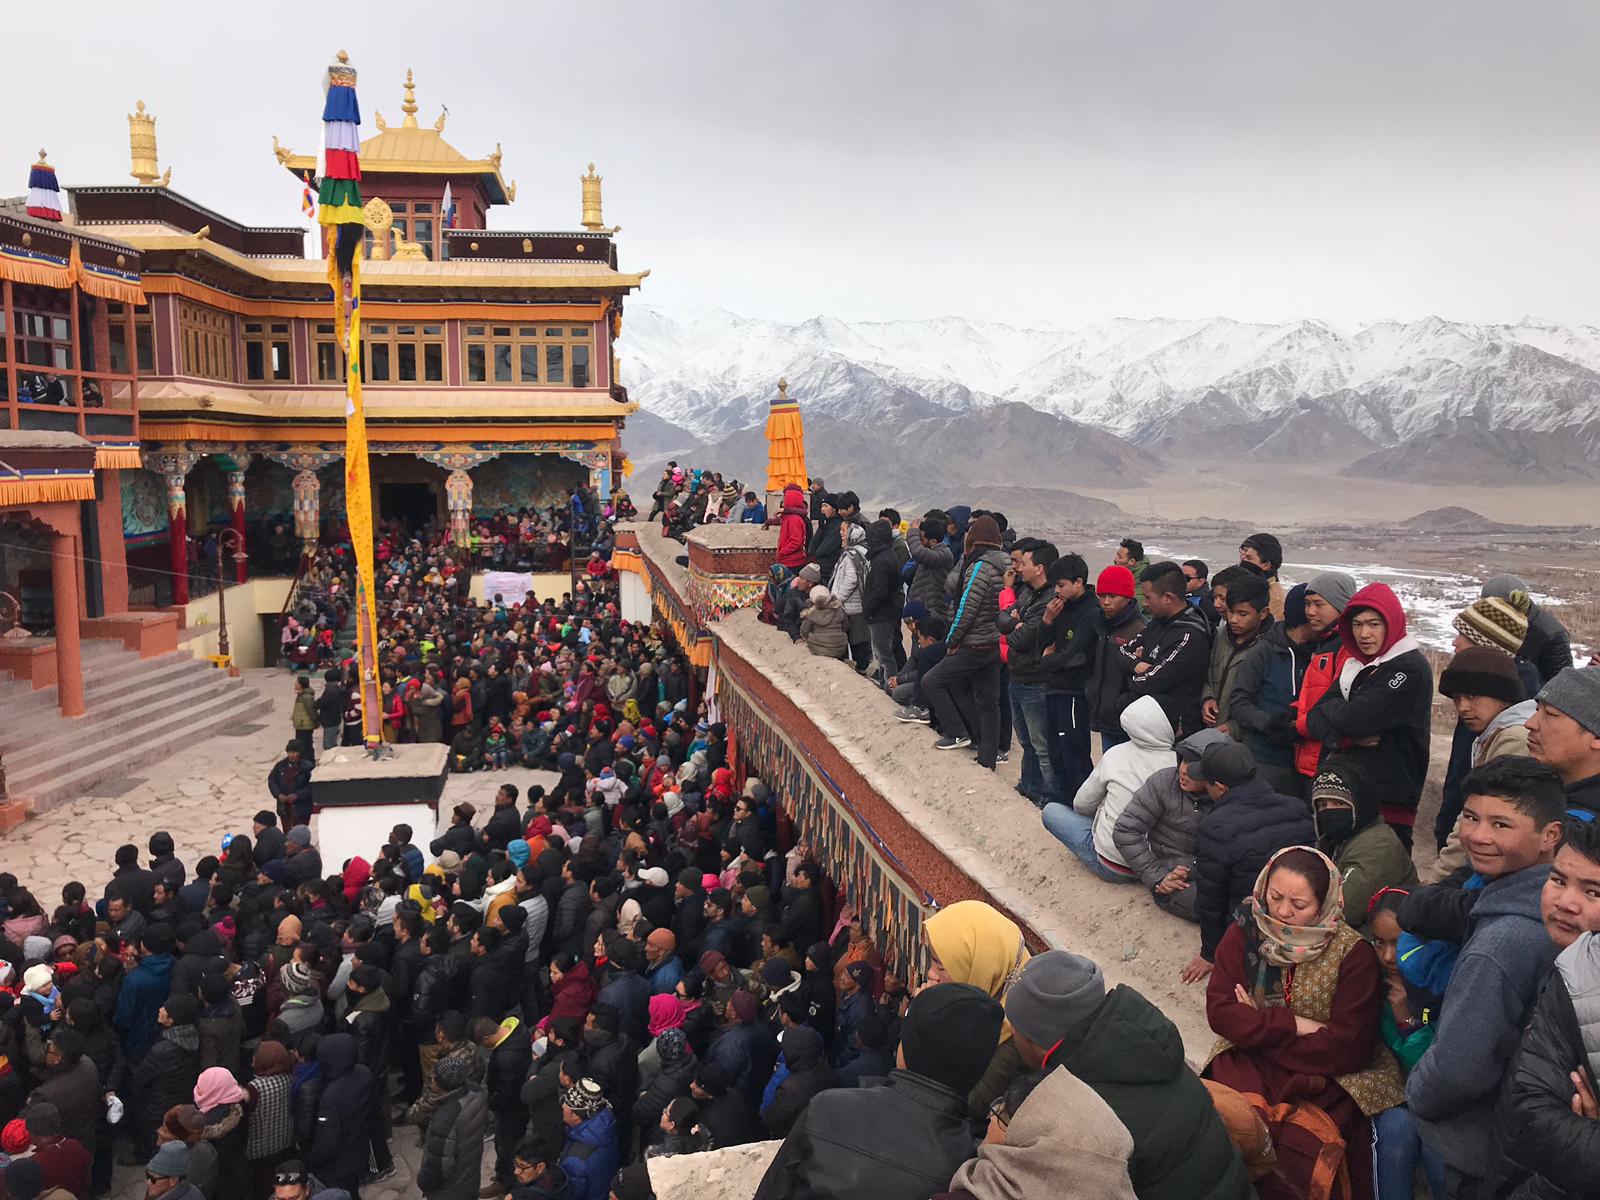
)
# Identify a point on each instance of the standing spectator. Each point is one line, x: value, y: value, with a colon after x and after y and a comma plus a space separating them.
x: 963, y: 691
x: 452, y: 1147
x: 591, y: 1154
x: 1564, y: 733
x: 1380, y: 709
x: 1118, y: 624
x: 1547, y: 645
x: 340, y: 1144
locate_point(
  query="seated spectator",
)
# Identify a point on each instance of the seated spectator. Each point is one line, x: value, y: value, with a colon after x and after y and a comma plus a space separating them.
x: 1406, y: 1026
x: 1380, y: 709
x: 1510, y: 825
x: 1248, y: 823
x: 1131, y: 1055
x: 1050, y: 1136
x: 904, y: 1140
x: 1367, y: 852
x: 1155, y: 834
x: 1087, y: 827
x: 1294, y: 1001
x: 823, y: 627
x: 973, y: 942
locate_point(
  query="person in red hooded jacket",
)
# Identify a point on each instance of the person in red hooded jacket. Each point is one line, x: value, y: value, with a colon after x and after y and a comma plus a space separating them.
x: 794, y: 529
x: 1379, y: 710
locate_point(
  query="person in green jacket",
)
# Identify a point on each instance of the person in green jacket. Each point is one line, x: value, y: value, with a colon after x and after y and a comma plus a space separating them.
x: 304, y: 716
x: 1351, y: 831
x: 1406, y: 1027
x: 1126, y: 1049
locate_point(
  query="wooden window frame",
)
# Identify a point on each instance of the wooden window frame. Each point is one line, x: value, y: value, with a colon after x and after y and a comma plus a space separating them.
x: 269, y: 337
x: 383, y: 341
x: 205, y: 337
x: 485, y: 341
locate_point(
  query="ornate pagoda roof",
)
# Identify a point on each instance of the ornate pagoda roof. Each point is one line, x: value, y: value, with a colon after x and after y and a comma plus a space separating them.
x: 412, y: 149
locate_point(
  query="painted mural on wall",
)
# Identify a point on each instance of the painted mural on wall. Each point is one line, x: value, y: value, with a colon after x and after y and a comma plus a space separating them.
x: 515, y: 481
x: 267, y: 493
x: 144, y: 504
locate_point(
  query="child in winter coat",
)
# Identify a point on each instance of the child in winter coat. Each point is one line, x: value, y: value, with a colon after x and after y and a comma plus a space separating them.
x: 495, y: 753
x: 1406, y: 1026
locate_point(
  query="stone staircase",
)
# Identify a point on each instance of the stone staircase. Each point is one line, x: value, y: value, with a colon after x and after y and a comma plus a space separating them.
x: 139, y: 711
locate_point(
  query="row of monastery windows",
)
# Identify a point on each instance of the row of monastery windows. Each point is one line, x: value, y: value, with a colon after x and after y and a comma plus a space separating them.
x: 394, y: 352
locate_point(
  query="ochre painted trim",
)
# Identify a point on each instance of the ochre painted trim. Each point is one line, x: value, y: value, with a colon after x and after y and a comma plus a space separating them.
x: 108, y: 458
x: 44, y: 491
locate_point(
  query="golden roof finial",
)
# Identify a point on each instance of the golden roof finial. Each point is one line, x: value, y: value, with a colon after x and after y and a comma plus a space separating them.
x: 342, y: 57
x: 783, y: 389
x: 409, y: 105
x: 41, y: 156
x: 142, y: 145
x: 592, y: 218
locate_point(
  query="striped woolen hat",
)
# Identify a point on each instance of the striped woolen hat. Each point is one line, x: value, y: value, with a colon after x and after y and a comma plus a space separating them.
x: 1499, y: 624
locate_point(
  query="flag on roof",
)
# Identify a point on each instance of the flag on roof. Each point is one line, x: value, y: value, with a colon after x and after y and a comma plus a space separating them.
x: 44, y: 196
x: 448, y: 208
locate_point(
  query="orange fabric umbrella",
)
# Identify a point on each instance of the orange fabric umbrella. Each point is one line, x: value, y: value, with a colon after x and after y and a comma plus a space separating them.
x: 786, y: 442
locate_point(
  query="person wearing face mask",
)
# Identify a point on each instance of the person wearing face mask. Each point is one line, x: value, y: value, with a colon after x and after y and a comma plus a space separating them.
x: 1350, y: 831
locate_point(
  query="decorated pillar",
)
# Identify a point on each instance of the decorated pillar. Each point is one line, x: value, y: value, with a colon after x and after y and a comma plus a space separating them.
x: 174, y: 467
x: 307, y: 508
x: 458, y: 500
x: 178, y: 535
x: 64, y: 588
x: 241, y: 565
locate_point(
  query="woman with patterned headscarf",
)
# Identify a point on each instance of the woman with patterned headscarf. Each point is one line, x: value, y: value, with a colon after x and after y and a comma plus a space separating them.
x: 973, y: 942
x: 1295, y: 999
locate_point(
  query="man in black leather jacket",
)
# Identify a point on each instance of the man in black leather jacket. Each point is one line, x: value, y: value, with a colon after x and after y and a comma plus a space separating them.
x: 904, y: 1140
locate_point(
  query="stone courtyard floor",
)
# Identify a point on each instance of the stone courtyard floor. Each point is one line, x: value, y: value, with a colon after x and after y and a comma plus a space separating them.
x: 200, y: 793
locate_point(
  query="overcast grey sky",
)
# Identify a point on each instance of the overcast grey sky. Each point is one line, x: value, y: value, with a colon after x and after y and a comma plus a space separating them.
x: 1029, y: 162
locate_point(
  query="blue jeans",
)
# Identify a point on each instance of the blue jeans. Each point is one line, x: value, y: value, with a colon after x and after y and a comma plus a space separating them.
x: 1110, y: 738
x: 1076, y: 832
x: 1030, y: 717
x: 1396, y: 1149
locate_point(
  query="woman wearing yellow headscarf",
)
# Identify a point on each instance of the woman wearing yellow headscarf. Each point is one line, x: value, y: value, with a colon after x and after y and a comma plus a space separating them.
x: 973, y: 942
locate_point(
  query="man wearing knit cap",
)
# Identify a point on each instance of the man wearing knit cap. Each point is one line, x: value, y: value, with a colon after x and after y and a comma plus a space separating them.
x: 1546, y: 644
x: 1319, y: 661
x: 1492, y: 711
x: 1565, y: 733
x: 1127, y: 1051
x: 167, y: 1172
x: 1119, y: 623
x: 591, y: 1154
x: 904, y: 1140
x: 963, y: 689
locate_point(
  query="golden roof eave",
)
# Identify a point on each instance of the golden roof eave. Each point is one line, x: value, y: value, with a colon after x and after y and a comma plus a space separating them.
x: 464, y: 273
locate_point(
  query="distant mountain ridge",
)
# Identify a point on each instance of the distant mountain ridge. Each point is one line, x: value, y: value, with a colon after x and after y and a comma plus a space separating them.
x: 1434, y: 400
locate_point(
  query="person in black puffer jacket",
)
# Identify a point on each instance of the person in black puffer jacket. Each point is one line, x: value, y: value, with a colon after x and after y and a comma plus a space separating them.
x: 1552, y: 1151
x: 510, y: 1058
x: 678, y: 1065
x: 809, y: 1074
x: 902, y: 1141
x: 452, y: 1148
x: 963, y: 690
x: 1170, y: 657
x: 442, y: 985
x: 613, y: 1063
x: 166, y: 1075
x: 1248, y: 823
x: 882, y: 597
x: 339, y: 1147
x: 305, y: 1090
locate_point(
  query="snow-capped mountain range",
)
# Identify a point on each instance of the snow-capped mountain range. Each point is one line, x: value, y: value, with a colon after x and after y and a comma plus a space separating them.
x: 1440, y: 400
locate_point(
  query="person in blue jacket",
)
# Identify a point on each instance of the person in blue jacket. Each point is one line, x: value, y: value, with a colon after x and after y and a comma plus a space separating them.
x: 591, y: 1154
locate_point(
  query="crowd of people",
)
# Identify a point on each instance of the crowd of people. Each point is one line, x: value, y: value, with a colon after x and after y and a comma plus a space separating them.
x: 1263, y: 751
x: 642, y: 959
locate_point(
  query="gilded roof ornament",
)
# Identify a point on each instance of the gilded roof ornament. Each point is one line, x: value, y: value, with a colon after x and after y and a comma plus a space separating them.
x: 783, y: 389
x: 142, y: 147
x: 438, y: 126
x: 377, y: 118
x: 494, y: 158
x: 409, y: 104
x: 282, y: 153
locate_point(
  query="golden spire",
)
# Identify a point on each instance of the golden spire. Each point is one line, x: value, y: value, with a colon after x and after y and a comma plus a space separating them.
x: 783, y: 389
x: 409, y: 105
x: 142, y: 146
x: 591, y: 201
x: 42, y: 157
